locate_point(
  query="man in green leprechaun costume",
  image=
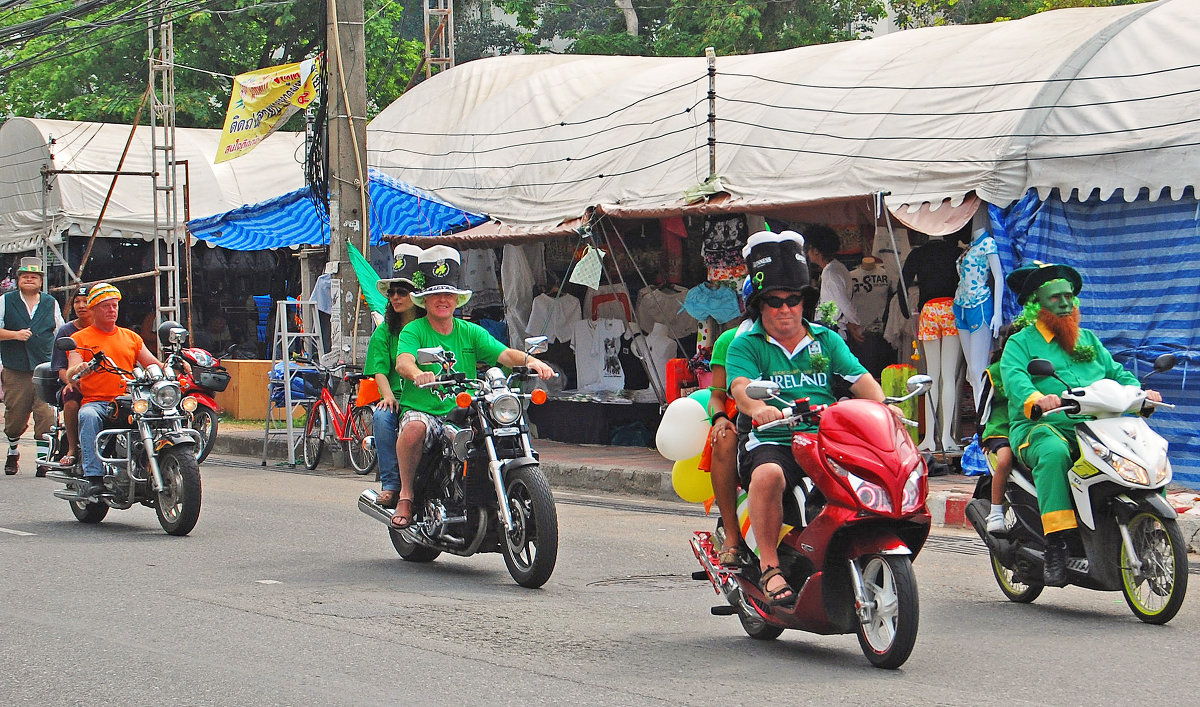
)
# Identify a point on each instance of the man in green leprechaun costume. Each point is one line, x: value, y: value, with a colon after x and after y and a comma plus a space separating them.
x: 1047, y: 446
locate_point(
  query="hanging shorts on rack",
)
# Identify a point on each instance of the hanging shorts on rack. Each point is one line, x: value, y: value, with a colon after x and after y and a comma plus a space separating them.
x: 937, y: 319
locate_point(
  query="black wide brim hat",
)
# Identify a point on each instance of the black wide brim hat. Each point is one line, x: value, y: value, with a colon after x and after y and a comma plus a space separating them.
x: 403, y: 270
x: 438, y: 269
x: 775, y: 261
x: 1025, y: 280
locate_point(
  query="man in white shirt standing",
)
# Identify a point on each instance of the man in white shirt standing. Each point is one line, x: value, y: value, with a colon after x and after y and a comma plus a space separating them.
x: 822, y: 245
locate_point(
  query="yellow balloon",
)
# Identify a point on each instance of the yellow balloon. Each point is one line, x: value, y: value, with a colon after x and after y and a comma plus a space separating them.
x: 690, y: 483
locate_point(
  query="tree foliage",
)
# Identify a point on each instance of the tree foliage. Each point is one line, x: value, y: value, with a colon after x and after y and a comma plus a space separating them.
x: 90, y: 69
x: 928, y: 13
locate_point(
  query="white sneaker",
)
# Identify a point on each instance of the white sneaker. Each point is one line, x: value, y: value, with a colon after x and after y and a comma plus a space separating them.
x: 995, y: 523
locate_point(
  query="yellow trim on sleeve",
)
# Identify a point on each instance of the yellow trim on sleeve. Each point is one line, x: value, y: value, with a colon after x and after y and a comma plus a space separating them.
x: 1030, y: 402
x: 1055, y: 521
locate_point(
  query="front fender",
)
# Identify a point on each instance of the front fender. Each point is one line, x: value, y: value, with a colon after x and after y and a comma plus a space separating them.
x: 875, y: 541
x: 1150, y: 503
x: 518, y: 463
x: 173, y: 439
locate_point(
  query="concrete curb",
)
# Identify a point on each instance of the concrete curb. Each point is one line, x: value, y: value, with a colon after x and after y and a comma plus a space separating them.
x: 947, y: 508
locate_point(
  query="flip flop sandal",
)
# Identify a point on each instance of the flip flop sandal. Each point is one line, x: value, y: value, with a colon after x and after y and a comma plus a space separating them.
x: 402, y: 519
x: 783, y: 596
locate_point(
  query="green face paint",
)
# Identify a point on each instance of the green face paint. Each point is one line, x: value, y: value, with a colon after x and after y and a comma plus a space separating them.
x: 1058, y: 297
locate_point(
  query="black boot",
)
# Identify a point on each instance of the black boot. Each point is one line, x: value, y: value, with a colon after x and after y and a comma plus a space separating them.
x: 1055, y: 571
x: 97, y: 486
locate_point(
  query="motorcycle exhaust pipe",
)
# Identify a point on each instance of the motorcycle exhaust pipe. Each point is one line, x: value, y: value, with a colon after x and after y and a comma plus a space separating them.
x: 368, y: 502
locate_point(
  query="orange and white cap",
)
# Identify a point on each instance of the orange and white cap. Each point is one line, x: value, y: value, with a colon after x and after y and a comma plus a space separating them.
x: 100, y: 292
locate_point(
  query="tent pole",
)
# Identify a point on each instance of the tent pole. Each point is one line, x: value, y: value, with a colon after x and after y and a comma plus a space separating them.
x: 711, y: 55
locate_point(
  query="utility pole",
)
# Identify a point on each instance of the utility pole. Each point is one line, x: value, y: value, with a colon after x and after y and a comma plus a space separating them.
x: 346, y: 93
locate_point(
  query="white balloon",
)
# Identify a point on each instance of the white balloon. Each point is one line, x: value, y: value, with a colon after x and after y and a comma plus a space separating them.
x: 683, y: 430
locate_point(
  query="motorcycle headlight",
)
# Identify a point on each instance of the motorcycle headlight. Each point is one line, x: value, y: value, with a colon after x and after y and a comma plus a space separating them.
x: 913, y: 498
x: 505, y: 409
x: 189, y: 404
x: 871, y: 495
x: 165, y: 394
x: 1130, y: 471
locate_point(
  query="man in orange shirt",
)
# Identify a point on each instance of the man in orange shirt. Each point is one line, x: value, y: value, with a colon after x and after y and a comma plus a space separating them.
x: 99, y: 388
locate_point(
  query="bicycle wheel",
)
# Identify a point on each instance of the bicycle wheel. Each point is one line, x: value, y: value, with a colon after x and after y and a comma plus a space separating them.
x: 362, y: 440
x: 314, y: 435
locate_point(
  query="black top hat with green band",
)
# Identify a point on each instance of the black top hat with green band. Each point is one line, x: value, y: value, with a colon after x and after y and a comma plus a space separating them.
x: 1025, y: 280
x: 776, y: 262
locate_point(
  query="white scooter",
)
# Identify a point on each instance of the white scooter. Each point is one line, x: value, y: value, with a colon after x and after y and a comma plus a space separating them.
x: 1128, y: 538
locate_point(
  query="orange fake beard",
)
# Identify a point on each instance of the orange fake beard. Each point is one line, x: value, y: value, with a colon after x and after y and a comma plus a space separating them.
x: 1065, y: 329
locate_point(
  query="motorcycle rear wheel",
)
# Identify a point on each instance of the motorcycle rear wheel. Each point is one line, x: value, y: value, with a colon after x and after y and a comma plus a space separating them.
x: 1156, y: 592
x: 178, y: 505
x: 888, y: 637
x: 89, y: 512
x: 410, y: 551
x: 1014, y: 590
x: 315, y: 429
x: 530, y: 549
x: 205, y: 420
x: 362, y: 425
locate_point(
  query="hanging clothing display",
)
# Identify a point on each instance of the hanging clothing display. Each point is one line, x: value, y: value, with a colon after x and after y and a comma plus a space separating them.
x: 671, y: 256
x: 708, y: 300
x: 870, y: 289
x: 588, y: 269
x: 597, y: 347
x: 655, y: 349
x: 723, y: 238
x: 478, y: 274
x: 608, y: 302
x: 664, y: 305
x: 554, y: 317
x: 521, y: 269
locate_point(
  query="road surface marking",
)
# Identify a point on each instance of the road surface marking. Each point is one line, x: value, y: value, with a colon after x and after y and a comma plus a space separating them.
x: 16, y: 532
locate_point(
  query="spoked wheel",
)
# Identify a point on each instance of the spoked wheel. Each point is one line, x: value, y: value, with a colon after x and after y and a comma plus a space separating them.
x: 89, y: 512
x: 362, y: 451
x: 1154, y: 592
x: 1016, y: 591
x: 411, y: 551
x: 179, y: 502
x: 531, y: 547
x: 314, y: 435
x: 205, y: 421
x: 890, y: 631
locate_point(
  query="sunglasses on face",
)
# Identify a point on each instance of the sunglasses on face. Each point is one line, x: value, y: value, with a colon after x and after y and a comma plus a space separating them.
x: 775, y: 302
x: 399, y: 291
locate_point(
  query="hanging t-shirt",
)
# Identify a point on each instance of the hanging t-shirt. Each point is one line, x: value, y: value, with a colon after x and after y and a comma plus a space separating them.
x: 554, y: 317
x: 608, y: 302
x: 869, y: 293
x: 655, y: 350
x: 597, y: 347
x: 478, y: 274
x: 723, y: 238
x: 468, y: 344
x: 662, y: 306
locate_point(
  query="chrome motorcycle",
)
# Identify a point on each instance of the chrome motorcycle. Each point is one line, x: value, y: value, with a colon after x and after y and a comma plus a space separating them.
x: 146, y: 446
x: 480, y: 488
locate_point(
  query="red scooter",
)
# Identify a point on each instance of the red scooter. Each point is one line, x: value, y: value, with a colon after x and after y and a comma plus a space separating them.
x: 206, y: 378
x: 850, y: 530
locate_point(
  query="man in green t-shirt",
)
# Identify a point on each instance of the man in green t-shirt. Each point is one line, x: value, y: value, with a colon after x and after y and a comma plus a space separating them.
x: 802, y: 358
x: 466, y: 344
x: 1047, y: 446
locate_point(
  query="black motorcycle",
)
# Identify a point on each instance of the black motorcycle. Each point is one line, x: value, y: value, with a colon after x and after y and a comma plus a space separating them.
x: 481, y: 489
x: 146, y: 446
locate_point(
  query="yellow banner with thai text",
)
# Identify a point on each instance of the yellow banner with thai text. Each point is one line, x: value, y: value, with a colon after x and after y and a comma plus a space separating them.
x: 263, y: 100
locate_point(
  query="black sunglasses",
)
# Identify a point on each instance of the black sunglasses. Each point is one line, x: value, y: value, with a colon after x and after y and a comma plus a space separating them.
x: 775, y: 302
x: 400, y: 290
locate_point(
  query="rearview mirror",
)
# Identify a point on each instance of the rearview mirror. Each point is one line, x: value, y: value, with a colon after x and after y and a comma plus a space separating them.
x: 434, y: 354
x: 919, y: 385
x: 762, y: 390
x: 65, y: 343
x: 1040, y: 367
x: 1164, y: 363
x: 536, y: 344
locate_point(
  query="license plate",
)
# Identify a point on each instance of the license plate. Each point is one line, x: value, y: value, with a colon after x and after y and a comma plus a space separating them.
x: 506, y: 431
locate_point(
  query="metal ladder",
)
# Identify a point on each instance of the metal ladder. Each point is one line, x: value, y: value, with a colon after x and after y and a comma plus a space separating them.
x: 281, y: 349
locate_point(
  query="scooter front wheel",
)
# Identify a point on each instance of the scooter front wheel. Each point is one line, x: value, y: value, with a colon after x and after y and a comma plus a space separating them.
x: 1154, y: 591
x: 889, y: 632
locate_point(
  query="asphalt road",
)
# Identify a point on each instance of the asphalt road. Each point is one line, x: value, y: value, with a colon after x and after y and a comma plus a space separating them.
x: 286, y: 594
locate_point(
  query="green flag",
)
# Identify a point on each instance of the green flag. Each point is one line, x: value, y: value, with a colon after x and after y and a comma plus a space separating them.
x: 367, y: 277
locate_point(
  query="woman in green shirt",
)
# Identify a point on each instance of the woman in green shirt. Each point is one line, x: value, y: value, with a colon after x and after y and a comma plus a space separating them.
x: 381, y: 363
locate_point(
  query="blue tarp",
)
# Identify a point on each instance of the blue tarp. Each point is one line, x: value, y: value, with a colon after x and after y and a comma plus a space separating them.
x: 397, y: 208
x: 1141, y: 294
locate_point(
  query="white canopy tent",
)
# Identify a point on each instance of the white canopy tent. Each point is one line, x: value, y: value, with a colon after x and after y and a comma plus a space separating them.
x: 74, y: 201
x: 1078, y: 100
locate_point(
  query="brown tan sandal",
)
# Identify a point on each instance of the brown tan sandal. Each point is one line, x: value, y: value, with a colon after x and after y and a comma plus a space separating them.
x: 403, y: 516
x: 783, y: 596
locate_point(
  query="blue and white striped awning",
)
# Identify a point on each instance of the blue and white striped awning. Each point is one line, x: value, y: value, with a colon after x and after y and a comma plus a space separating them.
x: 397, y: 209
x: 1140, y: 263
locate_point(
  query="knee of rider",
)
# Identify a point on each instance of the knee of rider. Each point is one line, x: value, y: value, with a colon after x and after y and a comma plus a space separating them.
x: 767, y: 477
x: 413, y: 432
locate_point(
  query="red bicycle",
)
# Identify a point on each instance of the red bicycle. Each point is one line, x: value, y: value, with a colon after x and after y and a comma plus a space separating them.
x: 352, y: 424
